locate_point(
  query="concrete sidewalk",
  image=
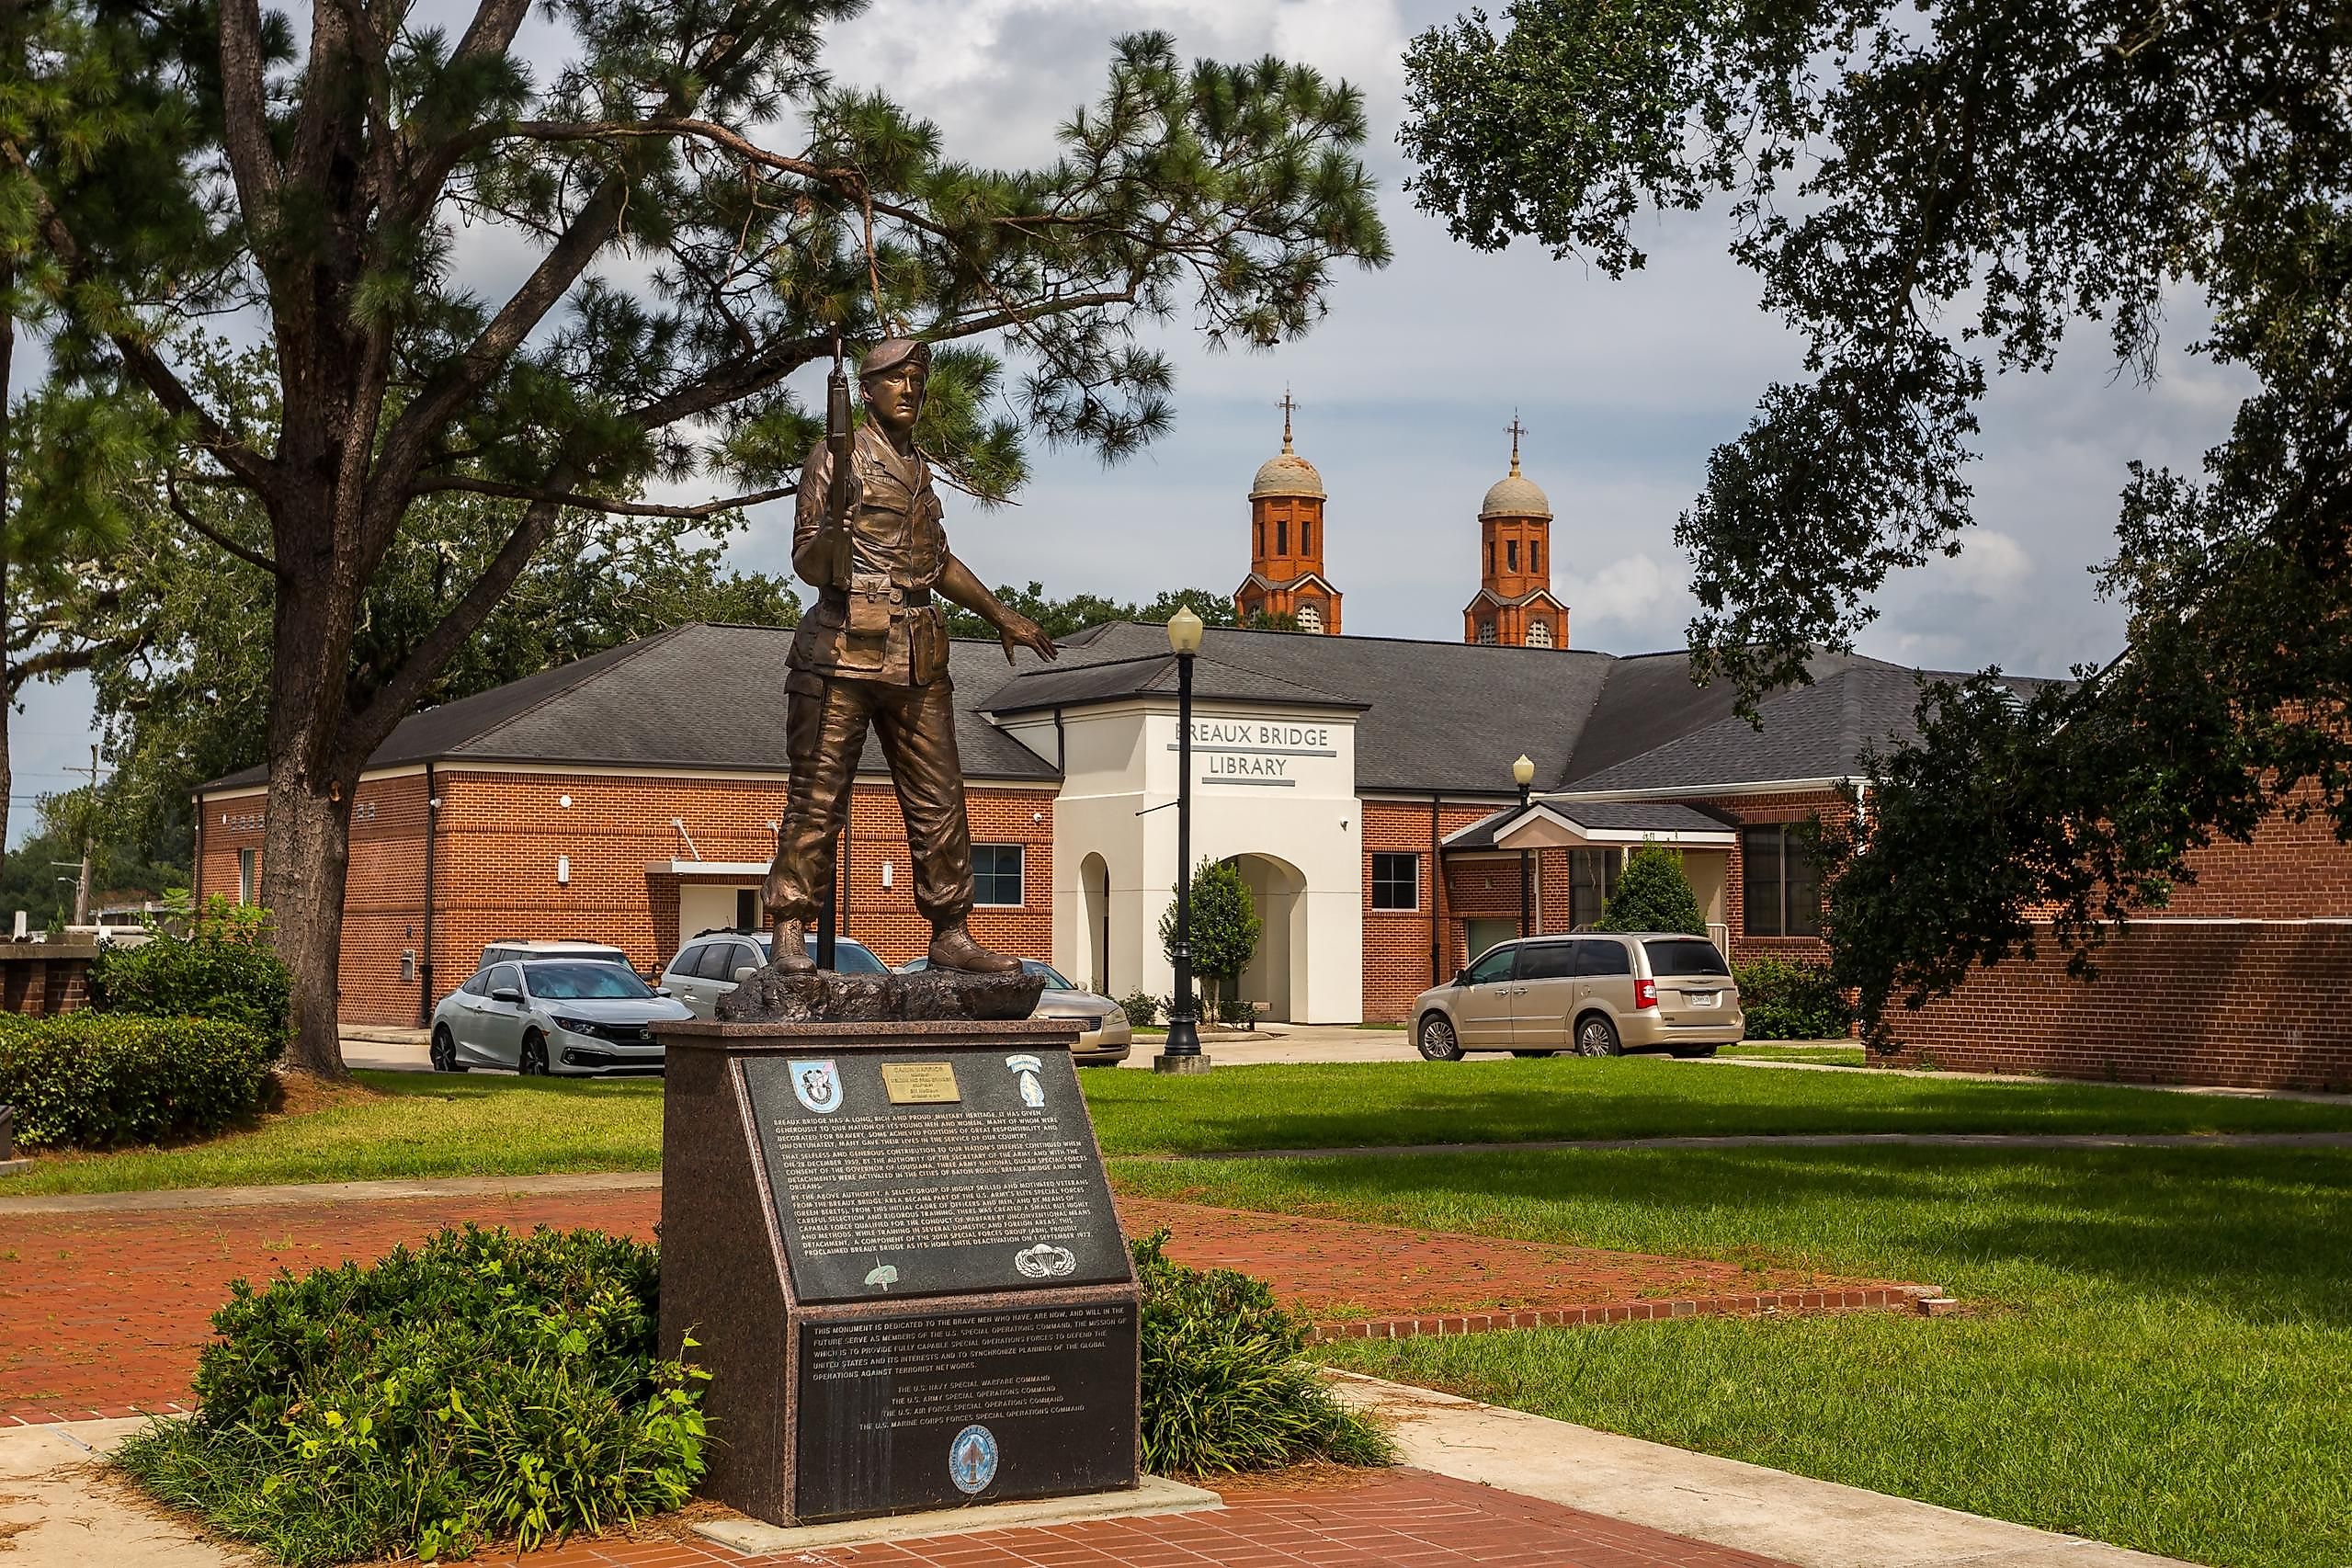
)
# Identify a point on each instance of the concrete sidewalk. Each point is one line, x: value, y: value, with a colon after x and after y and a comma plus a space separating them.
x: 1791, y: 1519
x: 1662, y: 1506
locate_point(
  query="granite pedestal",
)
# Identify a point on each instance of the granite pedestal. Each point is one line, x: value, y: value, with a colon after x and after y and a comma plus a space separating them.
x: 894, y: 1247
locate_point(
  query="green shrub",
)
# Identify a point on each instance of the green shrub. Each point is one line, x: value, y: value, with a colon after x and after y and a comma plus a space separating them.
x: 223, y: 969
x: 486, y: 1387
x: 1653, y: 895
x: 93, y: 1081
x: 1791, y: 1001
x: 1141, y: 1006
x: 1234, y: 1011
x: 1225, y: 1385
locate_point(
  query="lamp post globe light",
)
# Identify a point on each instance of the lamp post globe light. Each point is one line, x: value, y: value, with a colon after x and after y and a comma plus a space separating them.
x: 1523, y: 775
x: 1181, y: 1054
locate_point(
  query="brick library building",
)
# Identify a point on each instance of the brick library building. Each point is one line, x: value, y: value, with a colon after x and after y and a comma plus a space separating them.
x: 1362, y: 785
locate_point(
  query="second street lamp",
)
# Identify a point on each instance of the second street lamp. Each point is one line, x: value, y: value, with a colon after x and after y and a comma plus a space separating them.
x: 1523, y: 775
x: 1181, y: 1054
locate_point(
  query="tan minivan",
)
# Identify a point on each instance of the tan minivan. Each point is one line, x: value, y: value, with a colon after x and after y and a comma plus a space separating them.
x: 1594, y: 995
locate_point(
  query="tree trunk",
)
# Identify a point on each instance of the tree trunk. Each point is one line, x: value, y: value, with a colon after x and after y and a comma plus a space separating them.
x: 306, y: 838
x: 8, y: 473
x: 306, y: 855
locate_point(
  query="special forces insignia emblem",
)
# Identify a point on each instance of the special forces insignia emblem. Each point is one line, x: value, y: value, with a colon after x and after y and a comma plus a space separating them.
x: 816, y: 1085
x: 971, y: 1460
x: 1032, y: 1092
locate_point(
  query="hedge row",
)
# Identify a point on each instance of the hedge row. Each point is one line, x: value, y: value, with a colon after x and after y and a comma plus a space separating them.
x: 1791, y: 1001
x: 95, y: 1080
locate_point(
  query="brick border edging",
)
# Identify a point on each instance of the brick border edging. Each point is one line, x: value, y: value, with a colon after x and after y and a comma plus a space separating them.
x: 1896, y: 1297
x: 103, y: 1413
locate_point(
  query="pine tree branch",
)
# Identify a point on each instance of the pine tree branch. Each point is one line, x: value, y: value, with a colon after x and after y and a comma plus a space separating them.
x: 431, y: 482
x: 255, y: 470
x: 171, y: 496
x: 365, y: 730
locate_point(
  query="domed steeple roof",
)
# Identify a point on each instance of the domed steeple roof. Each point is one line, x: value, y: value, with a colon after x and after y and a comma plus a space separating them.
x: 1286, y: 472
x: 1515, y: 496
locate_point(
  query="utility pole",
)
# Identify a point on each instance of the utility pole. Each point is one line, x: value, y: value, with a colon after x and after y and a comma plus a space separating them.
x: 89, y: 825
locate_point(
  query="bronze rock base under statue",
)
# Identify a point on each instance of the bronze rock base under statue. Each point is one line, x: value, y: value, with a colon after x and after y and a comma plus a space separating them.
x: 931, y: 995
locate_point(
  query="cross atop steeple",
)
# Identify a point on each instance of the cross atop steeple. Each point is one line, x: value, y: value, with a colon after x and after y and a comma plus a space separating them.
x: 1287, y: 406
x: 1516, y: 431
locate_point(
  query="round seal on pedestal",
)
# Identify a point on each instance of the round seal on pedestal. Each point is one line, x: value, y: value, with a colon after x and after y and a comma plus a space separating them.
x: 971, y: 1460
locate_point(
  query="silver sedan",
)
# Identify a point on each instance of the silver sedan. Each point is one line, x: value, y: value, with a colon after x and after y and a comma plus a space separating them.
x: 541, y: 1016
x: 1105, y: 1040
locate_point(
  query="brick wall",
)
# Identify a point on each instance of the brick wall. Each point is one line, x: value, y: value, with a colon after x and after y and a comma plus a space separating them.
x: 1396, y: 942
x: 45, y: 977
x: 2248, y: 1003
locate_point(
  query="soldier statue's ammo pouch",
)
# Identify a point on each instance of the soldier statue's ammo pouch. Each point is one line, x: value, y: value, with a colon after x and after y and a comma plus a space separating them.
x: 871, y: 593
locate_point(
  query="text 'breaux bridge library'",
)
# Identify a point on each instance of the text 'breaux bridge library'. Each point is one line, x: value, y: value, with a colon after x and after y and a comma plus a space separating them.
x: 1363, y: 786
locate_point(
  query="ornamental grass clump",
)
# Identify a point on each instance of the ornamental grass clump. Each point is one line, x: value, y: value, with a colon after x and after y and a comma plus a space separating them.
x: 486, y: 1387
x: 1226, y: 1386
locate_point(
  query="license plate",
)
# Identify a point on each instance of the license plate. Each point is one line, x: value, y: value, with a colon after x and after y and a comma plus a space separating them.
x: 1703, y: 998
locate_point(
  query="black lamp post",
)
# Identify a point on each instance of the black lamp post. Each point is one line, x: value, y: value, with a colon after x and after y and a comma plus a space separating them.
x: 1182, y: 1051
x: 1523, y: 775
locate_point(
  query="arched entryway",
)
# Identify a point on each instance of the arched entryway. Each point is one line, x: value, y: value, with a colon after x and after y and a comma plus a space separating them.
x: 1094, y: 884
x: 1276, y: 978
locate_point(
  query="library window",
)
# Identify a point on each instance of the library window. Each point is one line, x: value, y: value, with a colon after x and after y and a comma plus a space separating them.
x: 1780, y: 890
x: 1396, y: 882
x: 996, y: 874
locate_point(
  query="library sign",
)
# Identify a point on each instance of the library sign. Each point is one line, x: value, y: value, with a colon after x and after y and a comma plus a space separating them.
x: 1268, y: 752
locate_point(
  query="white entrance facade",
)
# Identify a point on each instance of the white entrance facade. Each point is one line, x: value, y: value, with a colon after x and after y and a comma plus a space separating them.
x: 1273, y: 790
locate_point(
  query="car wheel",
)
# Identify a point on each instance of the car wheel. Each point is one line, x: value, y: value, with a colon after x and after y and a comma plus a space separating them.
x: 534, y: 1064
x: 1436, y: 1039
x: 1595, y: 1036
x: 445, y: 1052
x: 1535, y: 1053
x: 1692, y: 1053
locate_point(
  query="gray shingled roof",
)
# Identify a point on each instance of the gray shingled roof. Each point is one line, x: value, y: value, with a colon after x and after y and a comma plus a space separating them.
x: 697, y: 697
x: 1432, y: 717
x: 1213, y: 680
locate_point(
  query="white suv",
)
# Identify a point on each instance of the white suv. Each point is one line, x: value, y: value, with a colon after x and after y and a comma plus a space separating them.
x: 714, y: 962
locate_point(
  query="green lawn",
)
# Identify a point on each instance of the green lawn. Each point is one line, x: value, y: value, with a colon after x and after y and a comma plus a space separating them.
x: 2156, y: 1351
x: 1350, y: 1105
x: 427, y: 1125
x: 442, y: 1125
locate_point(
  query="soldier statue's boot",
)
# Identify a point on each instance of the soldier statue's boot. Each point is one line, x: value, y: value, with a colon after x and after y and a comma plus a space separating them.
x: 952, y: 948
x: 793, y: 948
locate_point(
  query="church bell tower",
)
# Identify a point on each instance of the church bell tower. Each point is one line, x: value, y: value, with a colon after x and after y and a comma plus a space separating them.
x: 1513, y: 608
x: 1286, y: 542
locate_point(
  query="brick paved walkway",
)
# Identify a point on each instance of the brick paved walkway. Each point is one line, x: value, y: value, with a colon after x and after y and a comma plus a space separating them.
x: 103, y: 1313
x: 1399, y: 1519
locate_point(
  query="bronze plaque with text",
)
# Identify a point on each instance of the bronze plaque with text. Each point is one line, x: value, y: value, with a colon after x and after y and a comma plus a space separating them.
x: 878, y: 1193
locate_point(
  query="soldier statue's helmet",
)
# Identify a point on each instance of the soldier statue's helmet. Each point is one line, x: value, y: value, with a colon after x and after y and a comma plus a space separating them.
x: 892, y: 352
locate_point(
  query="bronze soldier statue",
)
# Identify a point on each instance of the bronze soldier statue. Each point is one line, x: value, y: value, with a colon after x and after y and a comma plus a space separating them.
x: 873, y: 651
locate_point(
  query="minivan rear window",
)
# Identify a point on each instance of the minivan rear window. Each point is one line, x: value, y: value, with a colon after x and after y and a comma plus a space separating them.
x: 1688, y: 956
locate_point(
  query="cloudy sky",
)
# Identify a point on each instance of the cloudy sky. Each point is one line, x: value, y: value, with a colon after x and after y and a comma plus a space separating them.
x: 1405, y: 389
